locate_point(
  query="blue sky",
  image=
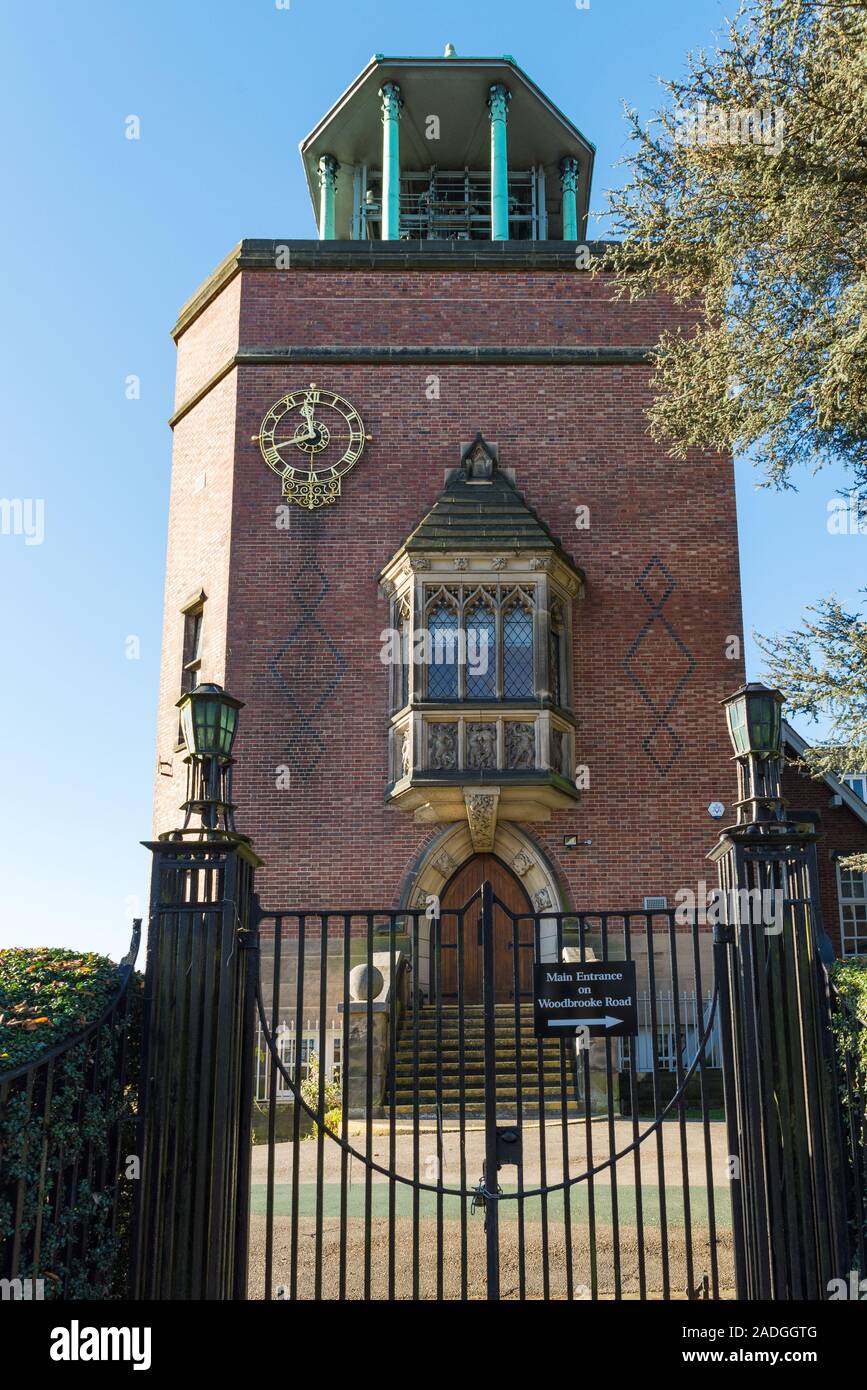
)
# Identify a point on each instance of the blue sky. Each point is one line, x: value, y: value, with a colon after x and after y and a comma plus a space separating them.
x: 104, y: 239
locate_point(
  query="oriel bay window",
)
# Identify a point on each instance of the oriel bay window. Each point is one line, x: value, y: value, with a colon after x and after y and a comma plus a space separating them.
x: 481, y: 696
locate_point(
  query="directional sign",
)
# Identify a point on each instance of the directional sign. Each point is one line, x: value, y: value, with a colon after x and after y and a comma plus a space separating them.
x: 599, y: 996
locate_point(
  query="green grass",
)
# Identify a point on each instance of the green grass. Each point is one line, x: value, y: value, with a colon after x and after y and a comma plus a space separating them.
x: 579, y: 1203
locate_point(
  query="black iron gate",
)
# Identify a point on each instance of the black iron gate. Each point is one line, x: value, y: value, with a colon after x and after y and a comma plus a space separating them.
x: 415, y: 1142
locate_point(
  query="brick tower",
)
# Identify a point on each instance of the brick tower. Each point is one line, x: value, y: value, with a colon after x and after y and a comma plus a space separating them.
x: 481, y: 623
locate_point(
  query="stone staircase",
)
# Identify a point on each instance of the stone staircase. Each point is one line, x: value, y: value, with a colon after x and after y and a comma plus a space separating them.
x: 510, y: 1047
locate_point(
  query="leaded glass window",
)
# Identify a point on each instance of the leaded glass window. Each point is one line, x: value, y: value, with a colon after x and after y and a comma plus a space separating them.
x: 405, y: 658
x: 443, y: 667
x: 555, y: 657
x: 481, y: 627
x: 518, y: 653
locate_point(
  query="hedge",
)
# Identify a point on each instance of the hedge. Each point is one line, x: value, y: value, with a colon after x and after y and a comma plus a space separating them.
x: 67, y: 1138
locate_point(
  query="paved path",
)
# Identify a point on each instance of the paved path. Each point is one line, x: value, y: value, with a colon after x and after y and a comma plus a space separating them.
x: 621, y: 1209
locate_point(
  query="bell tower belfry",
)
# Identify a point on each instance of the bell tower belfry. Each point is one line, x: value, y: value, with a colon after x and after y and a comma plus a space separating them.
x: 447, y: 149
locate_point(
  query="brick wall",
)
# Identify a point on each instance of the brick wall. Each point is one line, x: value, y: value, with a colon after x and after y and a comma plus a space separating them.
x: 304, y: 601
x: 840, y: 832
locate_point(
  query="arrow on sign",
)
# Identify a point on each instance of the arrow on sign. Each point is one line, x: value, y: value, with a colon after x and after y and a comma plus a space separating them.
x: 607, y: 1022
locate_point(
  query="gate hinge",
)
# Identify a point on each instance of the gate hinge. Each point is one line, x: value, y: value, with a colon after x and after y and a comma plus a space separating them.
x: 723, y: 934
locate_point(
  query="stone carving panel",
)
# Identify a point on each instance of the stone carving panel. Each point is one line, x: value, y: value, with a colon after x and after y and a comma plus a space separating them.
x: 520, y: 745
x: 558, y: 751
x: 482, y: 745
x: 442, y: 746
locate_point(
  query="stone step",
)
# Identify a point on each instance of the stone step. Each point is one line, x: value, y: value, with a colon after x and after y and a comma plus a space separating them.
x: 470, y: 1033
x: 475, y: 1086
x: 428, y: 1080
x: 475, y: 1100
x: 476, y: 1112
x: 503, y: 1054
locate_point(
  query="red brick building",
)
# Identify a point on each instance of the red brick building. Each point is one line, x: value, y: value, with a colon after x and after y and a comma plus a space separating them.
x: 586, y: 775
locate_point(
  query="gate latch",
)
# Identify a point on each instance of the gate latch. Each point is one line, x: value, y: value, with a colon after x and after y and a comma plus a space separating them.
x: 509, y: 1146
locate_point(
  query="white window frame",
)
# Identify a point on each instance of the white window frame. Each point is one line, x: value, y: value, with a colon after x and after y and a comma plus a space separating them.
x: 857, y: 781
x: 853, y: 942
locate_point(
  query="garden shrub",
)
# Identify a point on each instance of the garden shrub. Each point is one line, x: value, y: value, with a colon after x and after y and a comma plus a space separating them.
x: 46, y: 997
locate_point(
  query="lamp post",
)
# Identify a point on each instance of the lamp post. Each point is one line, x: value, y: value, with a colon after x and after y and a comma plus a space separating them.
x: 776, y: 1045
x: 209, y: 722
x: 198, y: 1042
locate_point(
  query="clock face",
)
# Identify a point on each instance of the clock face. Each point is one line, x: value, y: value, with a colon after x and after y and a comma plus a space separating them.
x: 310, y: 438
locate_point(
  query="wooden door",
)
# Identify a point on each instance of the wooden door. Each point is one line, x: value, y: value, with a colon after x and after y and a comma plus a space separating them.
x: 460, y: 888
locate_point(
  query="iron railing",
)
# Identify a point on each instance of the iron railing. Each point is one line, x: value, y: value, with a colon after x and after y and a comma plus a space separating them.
x: 65, y: 1123
x: 388, y: 1199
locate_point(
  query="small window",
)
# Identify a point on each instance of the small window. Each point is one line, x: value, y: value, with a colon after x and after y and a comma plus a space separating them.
x: 192, y: 653
x: 852, y: 885
x: 192, y: 648
x: 858, y: 782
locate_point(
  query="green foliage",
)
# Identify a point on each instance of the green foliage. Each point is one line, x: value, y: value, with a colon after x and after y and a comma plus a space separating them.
x: 329, y: 1105
x: 47, y: 994
x: 765, y: 238
x: 822, y: 669
x: 849, y: 1024
x: 849, y: 977
x: 67, y: 1125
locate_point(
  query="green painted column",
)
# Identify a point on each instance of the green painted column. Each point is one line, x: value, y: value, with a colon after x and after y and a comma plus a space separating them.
x: 328, y: 167
x: 569, y: 185
x: 498, y: 103
x: 391, y: 104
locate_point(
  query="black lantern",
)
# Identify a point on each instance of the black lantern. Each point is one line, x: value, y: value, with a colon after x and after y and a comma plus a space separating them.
x: 755, y: 722
x: 754, y: 716
x: 209, y: 719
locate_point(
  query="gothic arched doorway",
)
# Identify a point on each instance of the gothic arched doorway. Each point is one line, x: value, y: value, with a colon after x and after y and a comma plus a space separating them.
x: 508, y: 888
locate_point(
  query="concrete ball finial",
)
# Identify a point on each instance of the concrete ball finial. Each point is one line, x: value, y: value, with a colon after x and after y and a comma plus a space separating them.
x: 365, y: 982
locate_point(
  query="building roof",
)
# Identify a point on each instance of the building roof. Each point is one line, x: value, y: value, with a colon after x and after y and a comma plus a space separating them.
x: 475, y: 513
x: 848, y: 797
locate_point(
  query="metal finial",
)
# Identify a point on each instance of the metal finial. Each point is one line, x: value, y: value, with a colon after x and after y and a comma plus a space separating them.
x: 450, y: 51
